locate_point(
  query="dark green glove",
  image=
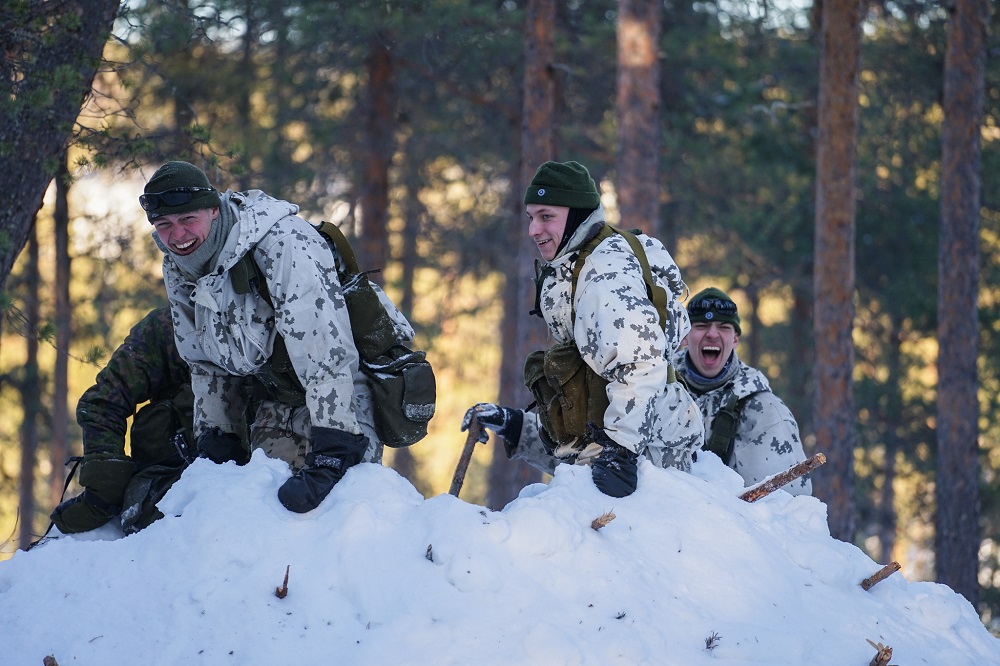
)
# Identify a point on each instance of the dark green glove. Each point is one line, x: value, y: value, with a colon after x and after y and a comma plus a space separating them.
x: 103, y: 477
x: 82, y: 513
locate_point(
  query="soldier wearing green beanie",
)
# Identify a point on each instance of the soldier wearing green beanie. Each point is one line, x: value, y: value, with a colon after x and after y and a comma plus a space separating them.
x: 595, y: 299
x: 746, y: 424
x: 177, y: 187
x: 229, y: 327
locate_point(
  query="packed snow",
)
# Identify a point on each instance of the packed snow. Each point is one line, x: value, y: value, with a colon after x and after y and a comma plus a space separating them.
x: 685, y: 573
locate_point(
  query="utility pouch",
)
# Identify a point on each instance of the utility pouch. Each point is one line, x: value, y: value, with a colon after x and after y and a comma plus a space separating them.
x: 403, y: 394
x: 568, y: 392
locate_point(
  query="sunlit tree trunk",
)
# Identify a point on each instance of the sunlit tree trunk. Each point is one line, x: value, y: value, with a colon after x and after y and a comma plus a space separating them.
x: 638, y: 114
x: 59, y: 447
x: 833, y: 278
x: 957, y: 487
x: 30, y: 396
x: 403, y: 459
x: 523, y: 333
x: 374, y: 236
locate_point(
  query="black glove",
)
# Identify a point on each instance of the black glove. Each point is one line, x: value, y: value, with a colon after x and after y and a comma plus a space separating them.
x: 615, y: 471
x: 332, y: 453
x: 503, y: 421
x: 83, y: 513
x: 220, y: 447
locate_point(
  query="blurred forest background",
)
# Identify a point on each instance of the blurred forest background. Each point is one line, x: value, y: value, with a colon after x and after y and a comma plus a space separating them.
x: 417, y: 124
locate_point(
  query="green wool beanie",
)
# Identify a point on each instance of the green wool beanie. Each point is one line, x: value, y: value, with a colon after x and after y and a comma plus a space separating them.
x: 714, y: 305
x: 563, y: 184
x: 175, y: 175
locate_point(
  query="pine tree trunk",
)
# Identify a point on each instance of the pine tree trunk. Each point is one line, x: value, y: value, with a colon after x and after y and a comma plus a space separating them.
x: 957, y: 487
x: 638, y: 114
x: 59, y: 448
x: 374, y: 236
x: 833, y: 278
x: 523, y: 333
x: 49, y: 64
x: 30, y: 396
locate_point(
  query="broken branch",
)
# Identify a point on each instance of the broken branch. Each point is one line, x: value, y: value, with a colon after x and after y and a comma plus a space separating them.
x: 880, y: 575
x: 768, y: 486
x: 601, y: 521
x: 280, y: 592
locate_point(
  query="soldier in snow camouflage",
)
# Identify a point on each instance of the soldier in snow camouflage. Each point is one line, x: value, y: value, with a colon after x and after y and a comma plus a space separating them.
x: 616, y: 329
x: 146, y: 367
x: 748, y: 426
x: 228, y: 337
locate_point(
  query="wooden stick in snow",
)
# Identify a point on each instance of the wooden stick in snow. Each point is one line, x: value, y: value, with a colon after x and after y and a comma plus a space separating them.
x: 767, y: 487
x: 463, y: 462
x: 880, y: 575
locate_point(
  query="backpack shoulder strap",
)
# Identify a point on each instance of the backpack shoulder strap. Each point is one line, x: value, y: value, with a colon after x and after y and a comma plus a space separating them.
x: 339, y: 240
x: 247, y: 278
x: 656, y: 293
x: 722, y: 439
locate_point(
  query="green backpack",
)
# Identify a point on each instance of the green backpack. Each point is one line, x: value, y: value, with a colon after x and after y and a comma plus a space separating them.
x: 569, y: 394
x: 401, y: 379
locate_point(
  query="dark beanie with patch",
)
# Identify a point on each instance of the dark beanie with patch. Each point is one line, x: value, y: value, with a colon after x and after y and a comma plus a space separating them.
x: 714, y: 305
x: 563, y: 184
x: 174, y: 176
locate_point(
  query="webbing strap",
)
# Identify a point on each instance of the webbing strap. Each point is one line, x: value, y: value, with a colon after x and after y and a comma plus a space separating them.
x: 656, y: 293
x: 723, y: 437
x: 76, y: 460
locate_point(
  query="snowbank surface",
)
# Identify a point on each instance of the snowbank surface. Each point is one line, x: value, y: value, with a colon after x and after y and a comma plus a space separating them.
x: 686, y: 573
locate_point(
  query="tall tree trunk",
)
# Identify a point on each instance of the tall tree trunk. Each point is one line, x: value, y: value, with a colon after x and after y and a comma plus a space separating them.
x: 59, y: 448
x: 957, y: 535
x: 374, y: 236
x: 48, y: 76
x: 523, y: 333
x: 30, y: 396
x: 638, y: 114
x: 892, y: 420
x: 242, y: 104
x: 402, y: 459
x: 833, y: 278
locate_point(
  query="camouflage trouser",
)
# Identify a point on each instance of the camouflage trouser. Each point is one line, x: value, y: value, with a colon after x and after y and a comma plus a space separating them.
x: 282, y: 431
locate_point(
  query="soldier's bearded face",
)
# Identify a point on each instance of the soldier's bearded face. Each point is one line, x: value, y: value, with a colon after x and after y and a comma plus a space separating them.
x: 183, y: 233
x: 546, y: 225
x: 709, y: 346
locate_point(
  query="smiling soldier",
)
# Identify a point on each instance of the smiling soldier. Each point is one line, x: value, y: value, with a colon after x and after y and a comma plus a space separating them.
x: 746, y: 425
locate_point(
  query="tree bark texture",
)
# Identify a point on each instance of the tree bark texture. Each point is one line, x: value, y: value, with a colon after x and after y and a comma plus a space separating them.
x: 29, y: 398
x: 957, y: 485
x: 523, y: 333
x: 378, y: 157
x: 59, y: 447
x: 48, y: 67
x: 833, y: 277
x: 638, y: 114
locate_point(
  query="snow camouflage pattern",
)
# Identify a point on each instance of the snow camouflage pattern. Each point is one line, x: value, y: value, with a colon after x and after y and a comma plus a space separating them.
x: 226, y: 337
x: 767, y: 436
x: 145, y: 367
x: 617, y: 331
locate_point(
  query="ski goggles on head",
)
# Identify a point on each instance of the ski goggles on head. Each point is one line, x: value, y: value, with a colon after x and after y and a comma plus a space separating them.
x: 175, y: 197
x: 718, y: 305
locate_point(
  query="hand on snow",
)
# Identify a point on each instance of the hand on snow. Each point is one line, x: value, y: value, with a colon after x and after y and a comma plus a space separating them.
x: 615, y: 471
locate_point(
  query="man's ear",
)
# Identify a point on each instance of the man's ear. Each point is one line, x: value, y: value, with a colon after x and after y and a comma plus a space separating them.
x: 736, y: 341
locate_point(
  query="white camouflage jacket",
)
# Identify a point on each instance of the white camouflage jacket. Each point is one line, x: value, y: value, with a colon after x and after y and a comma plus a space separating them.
x: 225, y: 336
x: 767, y: 436
x: 617, y: 330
